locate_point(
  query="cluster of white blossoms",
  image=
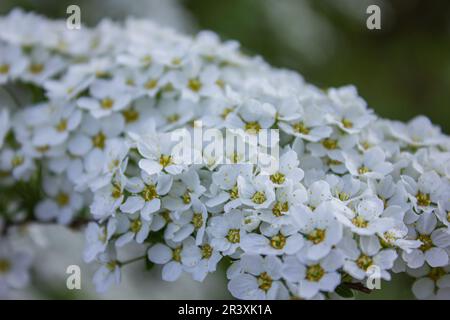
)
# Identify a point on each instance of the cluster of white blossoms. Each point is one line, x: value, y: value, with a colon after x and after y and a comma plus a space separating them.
x: 353, y: 195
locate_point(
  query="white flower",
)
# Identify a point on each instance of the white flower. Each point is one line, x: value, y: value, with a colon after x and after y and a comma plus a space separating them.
x: 350, y: 113
x: 371, y: 164
x: 62, y: 202
x: 14, y: 267
x: 63, y: 120
x: 108, y: 198
x: 226, y: 231
x: 208, y: 262
x: 157, y: 153
x: 360, y: 261
x: 364, y: 218
x: 310, y: 123
x: 311, y: 276
x: 105, y: 98
x: 418, y: 132
x: 425, y: 191
x: 321, y: 229
x: 434, y: 242
x: 259, y: 279
x: 42, y: 66
x: 97, y: 237
x: 257, y: 192
x: 137, y: 229
x: 429, y: 281
x: 146, y: 193
x: 272, y: 241
x: 12, y: 63
x: 174, y: 258
x: 109, y: 272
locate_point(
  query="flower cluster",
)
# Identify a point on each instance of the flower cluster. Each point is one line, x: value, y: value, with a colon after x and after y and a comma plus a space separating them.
x: 90, y: 140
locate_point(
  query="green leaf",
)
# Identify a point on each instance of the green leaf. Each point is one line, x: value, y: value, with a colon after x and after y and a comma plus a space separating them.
x: 344, y: 291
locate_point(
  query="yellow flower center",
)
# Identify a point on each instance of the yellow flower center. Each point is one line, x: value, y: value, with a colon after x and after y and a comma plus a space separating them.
x: 173, y: 118
x: 278, y: 178
x: 135, y: 225
x: 5, y: 266
x: 329, y: 144
x: 300, y: 127
x: 36, y: 68
x: 62, y: 199
x: 347, y: 123
x: 280, y: 208
x: 427, y: 243
x: 165, y: 160
x: 226, y: 112
x: 166, y: 215
x: 197, y: 220
x: 233, y: 236
x: 111, y: 265
x: 207, y: 251
x: 149, y: 193
x: 314, y: 273
x: 151, y: 84
x: 423, y: 199
x: 360, y: 222
x: 17, y: 161
x: 316, y: 236
x: 234, y: 193
x: 264, y: 281
x: 176, y: 254
x: 116, y: 191
x: 186, y: 198
x: 278, y: 241
x: 366, y: 145
x: 363, y: 170
x: 147, y: 59
x: 107, y: 103
x: 252, y: 127
x: 176, y: 61
x: 364, y: 262
x: 43, y: 149
x: 259, y: 197
x: 343, y: 196
x: 194, y: 84
x: 98, y: 141
x: 62, y: 125
x: 4, y: 68
x: 220, y: 83
x: 130, y: 115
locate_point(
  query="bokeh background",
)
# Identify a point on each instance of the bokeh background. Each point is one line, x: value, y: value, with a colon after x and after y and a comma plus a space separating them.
x: 402, y: 70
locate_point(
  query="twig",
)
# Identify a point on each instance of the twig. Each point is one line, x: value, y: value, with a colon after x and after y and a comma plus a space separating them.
x: 357, y: 286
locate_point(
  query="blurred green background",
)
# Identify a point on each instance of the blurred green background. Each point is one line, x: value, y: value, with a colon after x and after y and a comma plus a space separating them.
x: 402, y: 70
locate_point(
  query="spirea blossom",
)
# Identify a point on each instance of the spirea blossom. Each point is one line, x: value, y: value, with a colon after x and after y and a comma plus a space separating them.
x: 90, y: 139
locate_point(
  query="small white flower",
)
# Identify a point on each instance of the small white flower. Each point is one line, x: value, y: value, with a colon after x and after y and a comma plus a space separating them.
x: 313, y: 277
x: 434, y: 242
x: 109, y: 272
x: 259, y: 279
x: 371, y: 164
x: 14, y: 267
x: 105, y: 98
x: 97, y: 237
x: 360, y: 260
x: 321, y: 229
x: 146, y: 193
x: 62, y: 202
